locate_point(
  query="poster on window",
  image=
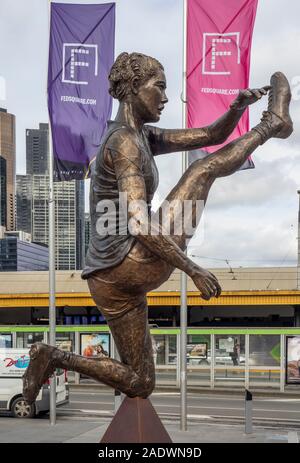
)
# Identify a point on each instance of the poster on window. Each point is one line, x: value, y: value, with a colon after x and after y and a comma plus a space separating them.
x: 64, y: 344
x: 292, y: 360
x: 199, y: 350
x: 95, y: 345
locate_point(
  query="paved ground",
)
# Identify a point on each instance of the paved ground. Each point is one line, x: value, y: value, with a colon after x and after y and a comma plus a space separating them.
x: 75, y: 430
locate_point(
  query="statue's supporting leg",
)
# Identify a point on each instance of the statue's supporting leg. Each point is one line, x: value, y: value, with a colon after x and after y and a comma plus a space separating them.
x: 134, y: 377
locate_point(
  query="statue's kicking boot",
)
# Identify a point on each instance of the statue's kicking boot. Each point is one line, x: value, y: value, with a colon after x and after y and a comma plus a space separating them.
x: 40, y: 368
x: 276, y: 121
x: 279, y: 100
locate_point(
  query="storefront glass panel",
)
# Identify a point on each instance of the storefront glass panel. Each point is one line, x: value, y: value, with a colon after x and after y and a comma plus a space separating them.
x: 229, y: 358
x: 5, y: 341
x: 165, y: 358
x: 198, y: 359
x: 25, y: 340
x: 264, y: 359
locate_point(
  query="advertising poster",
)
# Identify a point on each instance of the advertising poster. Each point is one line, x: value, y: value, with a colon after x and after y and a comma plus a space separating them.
x: 64, y: 344
x: 292, y: 360
x: 199, y: 350
x: 95, y: 344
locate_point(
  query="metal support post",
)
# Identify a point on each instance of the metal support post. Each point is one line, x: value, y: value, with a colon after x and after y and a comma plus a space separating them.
x: 282, y: 362
x: 248, y: 412
x: 183, y: 279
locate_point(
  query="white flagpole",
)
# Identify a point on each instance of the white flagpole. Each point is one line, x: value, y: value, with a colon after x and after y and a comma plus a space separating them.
x: 52, y: 306
x: 183, y: 280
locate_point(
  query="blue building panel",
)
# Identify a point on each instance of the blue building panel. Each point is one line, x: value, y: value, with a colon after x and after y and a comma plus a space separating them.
x: 16, y: 255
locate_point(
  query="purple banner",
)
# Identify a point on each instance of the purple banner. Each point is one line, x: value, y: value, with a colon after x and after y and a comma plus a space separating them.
x: 81, y: 54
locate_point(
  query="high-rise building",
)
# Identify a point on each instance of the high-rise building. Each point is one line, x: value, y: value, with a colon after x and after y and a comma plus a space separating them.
x: 32, y: 204
x: 68, y: 234
x: 87, y: 230
x: 3, y: 193
x: 37, y: 146
x: 7, y: 168
x: 80, y: 250
x: 24, y: 203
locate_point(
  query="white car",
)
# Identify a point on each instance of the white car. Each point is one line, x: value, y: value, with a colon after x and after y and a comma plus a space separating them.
x: 13, y: 363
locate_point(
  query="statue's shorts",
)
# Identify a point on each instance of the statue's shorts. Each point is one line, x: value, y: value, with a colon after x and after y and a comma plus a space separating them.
x: 119, y: 289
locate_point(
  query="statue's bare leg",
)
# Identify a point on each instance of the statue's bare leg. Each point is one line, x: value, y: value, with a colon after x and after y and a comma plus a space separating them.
x: 134, y: 375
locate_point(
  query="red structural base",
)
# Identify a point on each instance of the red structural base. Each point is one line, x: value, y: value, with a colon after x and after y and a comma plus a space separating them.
x: 136, y: 421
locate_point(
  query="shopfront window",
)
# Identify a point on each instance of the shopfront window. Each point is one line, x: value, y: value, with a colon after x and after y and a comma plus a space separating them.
x: 264, y: 350
x: 5, y: 340
x: 230, y: 350
x: 229, y: 358
x: 25, y: 340
x: 164, y: 349
x: 264, y: 359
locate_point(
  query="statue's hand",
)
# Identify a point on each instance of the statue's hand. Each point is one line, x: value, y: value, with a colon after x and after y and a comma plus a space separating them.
x: 249, y: 96
x: 207, y: 283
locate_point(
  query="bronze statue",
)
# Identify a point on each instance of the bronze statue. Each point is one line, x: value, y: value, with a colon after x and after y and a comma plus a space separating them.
x: 123, y: 266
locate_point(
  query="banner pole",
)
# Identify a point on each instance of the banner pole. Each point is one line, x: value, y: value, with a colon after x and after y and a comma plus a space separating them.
x: 183, y: 276
x: 52, y: 306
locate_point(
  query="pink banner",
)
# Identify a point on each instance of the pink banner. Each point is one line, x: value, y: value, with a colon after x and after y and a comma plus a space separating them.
x: 219, y: 35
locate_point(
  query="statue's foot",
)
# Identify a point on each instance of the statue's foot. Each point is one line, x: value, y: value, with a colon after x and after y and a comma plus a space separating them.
x: 279, y: 101
x: 40, y: 368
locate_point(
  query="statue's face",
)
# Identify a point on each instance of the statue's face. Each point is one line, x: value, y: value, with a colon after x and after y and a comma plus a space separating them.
x: 151, y: 98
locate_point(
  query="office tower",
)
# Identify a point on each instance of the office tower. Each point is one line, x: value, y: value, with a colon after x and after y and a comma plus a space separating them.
x: 87, y: 230
x: 7, y: 169
x: 24, y: 203
x: 80, y: 248
x: 3, y: 193
x: 69, y: 201
x: 37, y: 146
x: 68, y: 233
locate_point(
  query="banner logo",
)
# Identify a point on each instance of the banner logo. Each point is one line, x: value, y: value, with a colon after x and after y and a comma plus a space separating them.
x: 216, y: 46
x: 75, y: 57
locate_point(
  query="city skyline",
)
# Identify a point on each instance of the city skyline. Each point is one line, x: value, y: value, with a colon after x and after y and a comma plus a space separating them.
x: 251, y: 218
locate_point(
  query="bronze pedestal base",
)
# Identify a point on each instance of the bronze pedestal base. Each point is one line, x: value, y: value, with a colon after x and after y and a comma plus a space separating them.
x: 136, y: 421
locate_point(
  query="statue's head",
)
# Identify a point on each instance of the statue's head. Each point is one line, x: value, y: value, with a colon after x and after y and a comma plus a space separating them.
x: 140, y: 80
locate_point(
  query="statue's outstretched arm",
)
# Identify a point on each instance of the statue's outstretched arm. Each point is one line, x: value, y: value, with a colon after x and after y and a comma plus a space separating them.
x: 172, y: 140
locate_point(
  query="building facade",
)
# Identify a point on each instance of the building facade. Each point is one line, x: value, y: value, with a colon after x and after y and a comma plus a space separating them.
x: 3, y: 193
x: 18, y: 256
x: 8, y: 168
x: 239, y: 340
x: 24, y: 203
x: 37, y: 143
x: 32, y: 204
x: 87, y: 230
x: 69, y: 202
